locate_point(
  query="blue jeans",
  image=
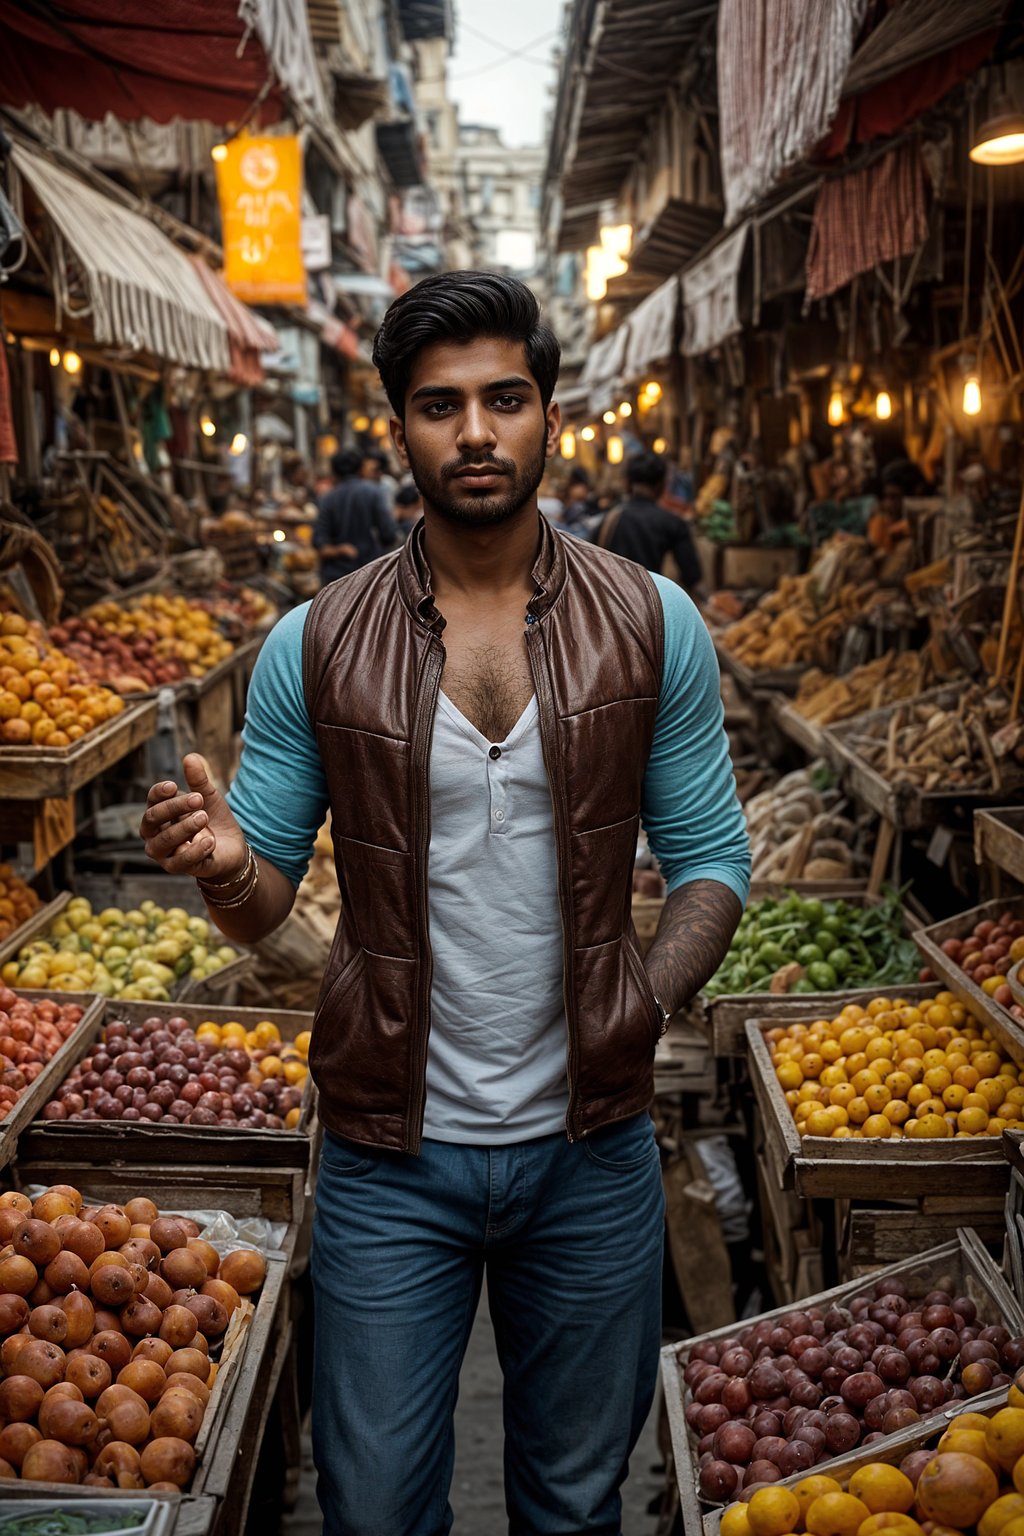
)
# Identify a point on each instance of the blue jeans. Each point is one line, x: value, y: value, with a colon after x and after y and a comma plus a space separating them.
x: 571, y: 1237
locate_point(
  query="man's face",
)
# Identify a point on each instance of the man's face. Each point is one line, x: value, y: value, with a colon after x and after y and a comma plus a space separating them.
x: 476, y: 435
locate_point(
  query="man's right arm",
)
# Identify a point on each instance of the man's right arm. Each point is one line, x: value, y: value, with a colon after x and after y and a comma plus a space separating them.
x: 275, y: 806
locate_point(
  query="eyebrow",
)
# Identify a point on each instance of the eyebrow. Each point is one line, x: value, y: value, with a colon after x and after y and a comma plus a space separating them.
x: 449, y: 392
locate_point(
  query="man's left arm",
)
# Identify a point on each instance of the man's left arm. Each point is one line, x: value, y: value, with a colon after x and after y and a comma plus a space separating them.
x: 693, y: 819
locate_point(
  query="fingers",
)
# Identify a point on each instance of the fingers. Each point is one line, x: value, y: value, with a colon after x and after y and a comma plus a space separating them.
x: 164, y: 811
x: 191, y: 858
x: 173, y: 835
x: 197, y: 773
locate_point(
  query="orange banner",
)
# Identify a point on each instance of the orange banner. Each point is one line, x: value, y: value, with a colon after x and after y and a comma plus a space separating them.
x: 259, y: 183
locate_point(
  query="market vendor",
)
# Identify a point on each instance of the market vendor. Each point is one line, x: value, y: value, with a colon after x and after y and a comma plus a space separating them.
x: 487, y: 714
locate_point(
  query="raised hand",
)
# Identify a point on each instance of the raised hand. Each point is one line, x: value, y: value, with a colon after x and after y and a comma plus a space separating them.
x: 193, y: 832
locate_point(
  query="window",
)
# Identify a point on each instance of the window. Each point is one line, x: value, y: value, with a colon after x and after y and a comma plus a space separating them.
x: 487, y: 193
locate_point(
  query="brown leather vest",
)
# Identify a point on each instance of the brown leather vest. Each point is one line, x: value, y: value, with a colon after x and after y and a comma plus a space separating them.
x: 372, y: 660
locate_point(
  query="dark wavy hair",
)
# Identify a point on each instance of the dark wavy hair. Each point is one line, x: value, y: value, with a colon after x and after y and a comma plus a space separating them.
x: 460, y: 306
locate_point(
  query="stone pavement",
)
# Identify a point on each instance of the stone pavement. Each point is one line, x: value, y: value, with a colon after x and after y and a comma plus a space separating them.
x: 477, y: 1493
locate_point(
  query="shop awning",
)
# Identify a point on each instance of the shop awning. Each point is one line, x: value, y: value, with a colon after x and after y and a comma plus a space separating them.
x: 606, y: 357
x: 677, y: 233
x: 711, y: 295
x: 181, y: 58
x: 117, y: 270
x: 870, y: 216
x: 652, y: 328
x: 248, y: 335
x: 916, y: 30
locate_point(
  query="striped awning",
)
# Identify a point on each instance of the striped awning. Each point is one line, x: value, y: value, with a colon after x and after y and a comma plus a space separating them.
x: 116, y: 269
x: 248, y: 335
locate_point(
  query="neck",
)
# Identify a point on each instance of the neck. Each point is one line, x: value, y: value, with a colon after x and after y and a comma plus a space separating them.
x: 474, y: 562
x: 643, y: 493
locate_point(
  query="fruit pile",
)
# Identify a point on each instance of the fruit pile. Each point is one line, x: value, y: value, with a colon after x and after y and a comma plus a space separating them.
x: 140, y: 954
x: 163, y: 1070
x: 897, y: 1069
x: 108, y: 1316
x: 973, y: 1481
x: 18, y: 901
x: 784, y: 1395
x: 46, y: 698
x: 31, y: 1034
x: 985, y: 955
x: 156, y: 639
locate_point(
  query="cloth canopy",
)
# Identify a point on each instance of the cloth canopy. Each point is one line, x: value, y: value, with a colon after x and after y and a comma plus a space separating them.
x: 606, y: 357
x: 711, y: 295
x: 248, y: 335
x: 652, y: 327
x: 181, y: 58
x: 872, y: 215
x: 137, y: 289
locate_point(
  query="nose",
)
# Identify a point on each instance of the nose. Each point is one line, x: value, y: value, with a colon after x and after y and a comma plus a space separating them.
x: 476, y: 430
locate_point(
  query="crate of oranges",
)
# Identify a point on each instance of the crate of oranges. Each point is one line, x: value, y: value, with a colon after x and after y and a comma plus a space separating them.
x: 887, y: 1098
x: 963, y: 1475
x: 168, y: 1080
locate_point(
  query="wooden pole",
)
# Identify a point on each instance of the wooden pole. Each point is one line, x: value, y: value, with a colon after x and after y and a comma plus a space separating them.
x: 1010, y: 604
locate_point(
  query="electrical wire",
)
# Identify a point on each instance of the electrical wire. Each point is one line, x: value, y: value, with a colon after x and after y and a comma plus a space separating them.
x: 507, y: 54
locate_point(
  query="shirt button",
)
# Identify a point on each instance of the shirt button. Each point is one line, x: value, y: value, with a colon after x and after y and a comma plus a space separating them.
x: 499, y: 815
x: 494, y: 754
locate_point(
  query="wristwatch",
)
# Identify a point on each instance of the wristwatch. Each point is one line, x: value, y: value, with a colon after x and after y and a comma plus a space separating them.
x: 665, y: 1014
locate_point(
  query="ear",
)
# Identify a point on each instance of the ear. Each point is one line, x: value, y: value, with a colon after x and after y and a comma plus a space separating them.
x: 398, y: 438
x: 553, y: 417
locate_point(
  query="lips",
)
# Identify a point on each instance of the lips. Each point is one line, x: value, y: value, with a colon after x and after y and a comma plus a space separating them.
x: 480, y: 477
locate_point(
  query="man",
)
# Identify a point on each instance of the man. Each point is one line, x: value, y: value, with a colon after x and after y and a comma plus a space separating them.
x: 580, y: 504
x: 643, y: 531
x: 408, y: 509
x: 486, y: 713
x: 353, y: 524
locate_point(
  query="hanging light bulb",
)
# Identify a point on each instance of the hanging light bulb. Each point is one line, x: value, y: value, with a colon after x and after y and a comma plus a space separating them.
x: 616, y: 450
x: 219, y: 152
x: 972, y: 395
x: 72, y: 362
x: 55, y: 357
x: 379, y: 426
x: 625, y: 409
x: 883, y: 405
x: 279, y: 535
x: 207, y: 425
x: 567, y: 444
x: 835, y: 407
x: 651, y: 392
x: 609, y: 418
x: 1000, y: 139
x: 361, y: 424
x: 659, y: 445
x: 588, y: 434
x: 239, y: 443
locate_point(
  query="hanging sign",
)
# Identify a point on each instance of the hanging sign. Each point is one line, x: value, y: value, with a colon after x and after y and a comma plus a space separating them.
x: 259, y: 184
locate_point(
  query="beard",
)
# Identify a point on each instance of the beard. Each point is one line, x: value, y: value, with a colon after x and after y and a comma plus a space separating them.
x: 484, y: 508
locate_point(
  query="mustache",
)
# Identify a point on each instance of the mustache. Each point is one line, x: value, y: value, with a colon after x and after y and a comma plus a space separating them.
x: 455, y: 466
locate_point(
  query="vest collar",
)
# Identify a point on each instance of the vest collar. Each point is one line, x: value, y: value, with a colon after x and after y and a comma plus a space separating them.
x: 549, y: 574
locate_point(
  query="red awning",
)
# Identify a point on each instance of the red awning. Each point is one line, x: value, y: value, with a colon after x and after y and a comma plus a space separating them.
x: 248, y: 335
x: 176, y: 59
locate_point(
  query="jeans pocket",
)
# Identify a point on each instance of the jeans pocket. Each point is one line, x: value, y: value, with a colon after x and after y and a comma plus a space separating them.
x: 346, y: 1159
x: 624, y: 1146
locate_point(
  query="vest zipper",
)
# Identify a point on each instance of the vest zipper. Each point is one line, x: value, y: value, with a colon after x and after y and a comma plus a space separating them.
x: 546, y: 710
x: 426, y: 708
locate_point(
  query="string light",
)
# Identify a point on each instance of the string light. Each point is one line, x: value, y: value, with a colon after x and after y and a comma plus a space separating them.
x: 361, y: 424
x: 379, y: 427
x: 219, y: 152
x: 239, y: 443
x: 651, y: 392
x: 609, y: 418
x: 567, y: 444
x: 279, y: 535
x: 207, y: 425
x: 835, y: 407
x: 659, y: 445
x: 72, y: 362
x: 625, y: 409
x: 972, y: 395
x: 588, y: 434
x: 616, y: 450
x: 883, y: 405
x: 55, y: 357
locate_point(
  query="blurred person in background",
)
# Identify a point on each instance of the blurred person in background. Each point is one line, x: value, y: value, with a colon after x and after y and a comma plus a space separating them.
x: 408, y: 510
x: 354, y: 523
x: 580, y: 504
x: 376, y: 466
x: 640, y: 529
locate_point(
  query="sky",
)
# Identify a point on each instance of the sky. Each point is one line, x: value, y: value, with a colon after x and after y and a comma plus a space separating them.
x: 493, y: 88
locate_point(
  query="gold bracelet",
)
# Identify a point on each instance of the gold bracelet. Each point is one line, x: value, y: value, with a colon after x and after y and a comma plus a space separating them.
x: 237, y: 901
x: 226, y: 885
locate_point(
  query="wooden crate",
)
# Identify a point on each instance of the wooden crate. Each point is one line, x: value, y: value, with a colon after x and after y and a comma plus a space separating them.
x: 682, y: 1059
x: 905, y: 806
x: 186, y: 988
x: 37, y: 773
x: 999, y: 840
x: 963, y: 1263
x: 892, y: 1449
x: 797, y: 728
x: 138, y: 1142
x: 871, y: 1236
x: 53, y: 1074
x: 792, y: 1237
x: 929, y: 941
x: 820, y: 1167
x: 766, y: 680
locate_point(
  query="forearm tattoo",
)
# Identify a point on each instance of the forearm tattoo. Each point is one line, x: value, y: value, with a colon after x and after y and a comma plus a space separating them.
x: 697, y: 924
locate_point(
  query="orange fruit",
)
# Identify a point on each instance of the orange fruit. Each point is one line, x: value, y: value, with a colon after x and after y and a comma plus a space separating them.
x: 836, y: 1514
x: 734, y: 1522
x: 773, y: 1511
x: 16, y: 732
x: 932, y: 1126
x: 972, y: 1442
x: 1009, y: 1507
x: 954, y: 1096
x: 897, y: 1112
x: 890, y: 1521
x: 789, y: 1074
x: 1005, y: 1437
x: 812, y: 1487
x: 877, y: 1097
x: 956, y: 1489
x: 877, y: 1125
x: 974, y: 1121
x: 10, y: 705
x: 882, y: 1488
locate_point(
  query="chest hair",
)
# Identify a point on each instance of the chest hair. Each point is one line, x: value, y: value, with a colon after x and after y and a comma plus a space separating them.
x: 490, y: 684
